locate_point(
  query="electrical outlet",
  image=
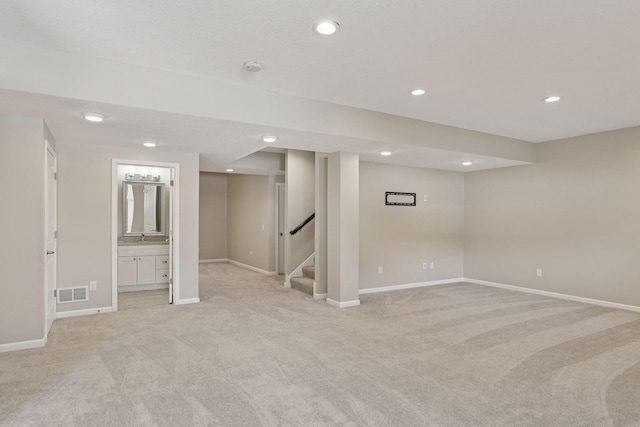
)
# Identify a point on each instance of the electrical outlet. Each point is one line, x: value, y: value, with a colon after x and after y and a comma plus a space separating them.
x: 432, y: 265
x: 380, y: 270
x: 424, y: 265
x: 250, y: 253
x: 539, y: 272
x: 262, y: 227
x: 424, y: 197
x: 93, y: 285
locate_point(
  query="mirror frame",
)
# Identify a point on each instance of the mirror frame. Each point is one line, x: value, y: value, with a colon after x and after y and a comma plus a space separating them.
x: 125, y: 209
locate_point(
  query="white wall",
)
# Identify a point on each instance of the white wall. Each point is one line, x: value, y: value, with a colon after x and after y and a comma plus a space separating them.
x: 401, y: 238
x: 299, y: 205
x: 84, y: 218
x: 213, y: 216
x: 22, y: 161
x: 575, y: 215
x: 250, y: 220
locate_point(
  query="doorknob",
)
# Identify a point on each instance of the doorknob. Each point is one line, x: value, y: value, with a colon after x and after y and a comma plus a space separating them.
x: 50, y: 252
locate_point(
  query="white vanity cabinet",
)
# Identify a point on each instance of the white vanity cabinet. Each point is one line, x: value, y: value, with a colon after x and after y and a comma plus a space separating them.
x: 143, y: 265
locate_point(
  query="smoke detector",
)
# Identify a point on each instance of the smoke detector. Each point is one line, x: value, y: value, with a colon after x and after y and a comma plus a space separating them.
x: 252, y: 66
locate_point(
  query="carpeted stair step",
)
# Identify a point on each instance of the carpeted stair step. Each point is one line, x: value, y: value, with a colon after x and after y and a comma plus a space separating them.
x: 303, y: 284
x: 309, y: 271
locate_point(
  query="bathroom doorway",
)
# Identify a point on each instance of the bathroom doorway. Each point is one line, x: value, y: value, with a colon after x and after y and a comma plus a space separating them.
x: 145, y: 234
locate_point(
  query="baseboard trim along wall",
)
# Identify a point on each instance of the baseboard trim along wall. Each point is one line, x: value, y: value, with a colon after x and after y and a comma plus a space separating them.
x: 207, y: 261
x: 22, y: 345
x: 555, y: 295
x: 250, y: 267
x: 409, y: 286
x: 320, y: 296
x: 74, y: 313
x: 186, y: 301
x: 343, y: 304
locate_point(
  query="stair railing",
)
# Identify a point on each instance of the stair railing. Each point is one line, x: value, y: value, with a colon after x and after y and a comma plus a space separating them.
x: 301, y: 226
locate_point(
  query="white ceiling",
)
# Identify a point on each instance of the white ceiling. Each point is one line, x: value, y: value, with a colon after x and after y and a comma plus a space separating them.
x: 486, y: 65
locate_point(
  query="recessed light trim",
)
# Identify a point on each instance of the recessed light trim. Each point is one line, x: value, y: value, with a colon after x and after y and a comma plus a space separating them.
x: 386, y: 152
x: 269, y: 139
x: 229, y: 170
x: 551, y: 99
x: 418, y: 92
x: 467, y: 163
x: 326, y: 28
x: 150, y: 144
x: 94, y: 117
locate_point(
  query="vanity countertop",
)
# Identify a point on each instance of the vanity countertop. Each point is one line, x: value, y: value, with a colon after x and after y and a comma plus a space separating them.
x: 141, y: 249
x: 139, y: 243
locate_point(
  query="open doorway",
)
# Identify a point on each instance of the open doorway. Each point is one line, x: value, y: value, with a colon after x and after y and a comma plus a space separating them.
x: 144, y: 233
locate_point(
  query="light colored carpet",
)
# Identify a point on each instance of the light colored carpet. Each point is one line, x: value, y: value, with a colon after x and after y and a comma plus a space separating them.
x: 142, y: 299
x: 254, y: 353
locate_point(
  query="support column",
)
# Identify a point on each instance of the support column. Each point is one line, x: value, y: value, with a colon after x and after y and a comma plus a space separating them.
x: 343, y: 226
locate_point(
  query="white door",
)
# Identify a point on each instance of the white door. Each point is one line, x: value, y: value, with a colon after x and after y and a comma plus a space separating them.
x: 50, y: 237
x: 280, y: 231
x: 146, y: 270
x: 172, y: 180
x: 127, y: 270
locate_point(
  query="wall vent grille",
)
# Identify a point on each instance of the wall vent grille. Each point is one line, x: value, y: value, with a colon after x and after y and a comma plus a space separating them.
x: 80, y: 293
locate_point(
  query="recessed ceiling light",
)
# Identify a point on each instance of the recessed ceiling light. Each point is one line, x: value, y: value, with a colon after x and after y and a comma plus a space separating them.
x: 149, y: 144
x: 93, y: 117
x: 269, y: 139
x: 552, y: 98
x: 467, y: 163
x: 326, y: 28
x: 386, y: 153
x: 418, y: 92
x: 229, y: 170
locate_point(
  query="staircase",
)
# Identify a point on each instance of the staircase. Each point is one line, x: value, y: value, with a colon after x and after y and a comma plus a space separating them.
x: 305, y: 282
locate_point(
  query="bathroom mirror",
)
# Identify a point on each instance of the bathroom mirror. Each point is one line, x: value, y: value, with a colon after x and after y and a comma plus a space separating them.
x: 143, y: 208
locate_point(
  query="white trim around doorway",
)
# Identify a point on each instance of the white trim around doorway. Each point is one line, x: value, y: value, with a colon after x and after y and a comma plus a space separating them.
x: 114, y: 224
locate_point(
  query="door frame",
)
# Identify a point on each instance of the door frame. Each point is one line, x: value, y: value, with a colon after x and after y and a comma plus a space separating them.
x: 48, y: 148
x: 174, y: 240
x: 277, y: 224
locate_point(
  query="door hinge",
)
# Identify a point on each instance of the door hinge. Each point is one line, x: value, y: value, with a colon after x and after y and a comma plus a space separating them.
x: 171, y: 183
x: 55, y: 293
x: 55, y: 234
x: 55, y: 176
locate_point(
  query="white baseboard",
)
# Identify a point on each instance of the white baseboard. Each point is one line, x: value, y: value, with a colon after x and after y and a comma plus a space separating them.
x: 85, y: 312
x: 186, y: 301
x: 207, y: 261
x: 136, y: 288
x: 22, y: 345
x: 409, y: 286
x: 252, y: 268
x: 320, y: 296
x: 343, y: 304
x: 555, y: 295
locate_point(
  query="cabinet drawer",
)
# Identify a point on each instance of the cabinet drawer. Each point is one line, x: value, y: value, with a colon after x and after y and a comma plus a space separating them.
x: 162, y: 276
x: 162, y: 262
